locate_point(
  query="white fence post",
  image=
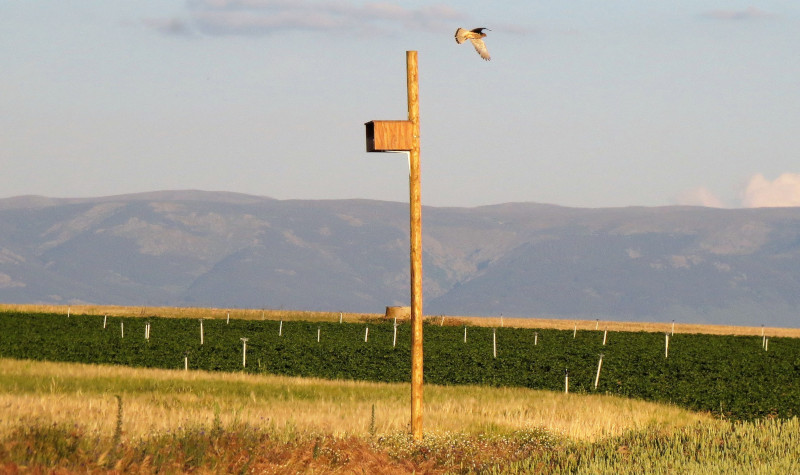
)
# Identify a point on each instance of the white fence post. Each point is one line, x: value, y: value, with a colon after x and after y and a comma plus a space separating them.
x: 244, y: 352
x: 599, y: 365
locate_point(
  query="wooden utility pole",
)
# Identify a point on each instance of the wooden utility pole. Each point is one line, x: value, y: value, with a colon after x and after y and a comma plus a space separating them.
x: 403, y: 136
x: 415, y: 201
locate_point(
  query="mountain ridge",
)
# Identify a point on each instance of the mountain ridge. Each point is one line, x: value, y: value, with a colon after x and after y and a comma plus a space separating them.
x: 223, y: 249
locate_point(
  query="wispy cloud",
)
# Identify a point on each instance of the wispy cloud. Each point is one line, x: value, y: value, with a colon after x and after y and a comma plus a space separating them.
x: 749, y: 13
x: 701, y: 196
x: 781, y: 192
x: 264, y: 17
x: 170, y: 26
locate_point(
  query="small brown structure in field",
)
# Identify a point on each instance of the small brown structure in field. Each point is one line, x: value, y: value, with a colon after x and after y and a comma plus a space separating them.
x: 398, y: 312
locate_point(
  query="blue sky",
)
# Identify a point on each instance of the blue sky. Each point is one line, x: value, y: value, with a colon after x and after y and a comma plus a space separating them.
x: 584, y: 103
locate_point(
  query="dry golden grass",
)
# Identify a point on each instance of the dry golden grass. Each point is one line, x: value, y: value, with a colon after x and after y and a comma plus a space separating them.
x: 158, y: 401
x: 257, y: 314
x: 187, y: 312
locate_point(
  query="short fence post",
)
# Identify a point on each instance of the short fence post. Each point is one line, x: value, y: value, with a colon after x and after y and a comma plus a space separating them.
x: 122, y: 329
x: 366, y: 334
x: 244, y: 352
x: 280, y: 329
x: 599, y: 365
x: 494, y: 342
x: 566, y: 381
x: 605, y: 336
x: 105, y: 319
x: 666, y: 345
x: 201, y: 331
x: 535, y: 338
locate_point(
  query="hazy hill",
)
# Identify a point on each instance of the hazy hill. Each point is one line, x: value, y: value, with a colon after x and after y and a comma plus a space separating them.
x: 191, y: 248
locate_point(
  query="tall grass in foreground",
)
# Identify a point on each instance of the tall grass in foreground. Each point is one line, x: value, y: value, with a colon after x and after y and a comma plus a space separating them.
x: 160, y: 401
x: 768, y: 446
x: 761, y: 447
x: 67, y: 417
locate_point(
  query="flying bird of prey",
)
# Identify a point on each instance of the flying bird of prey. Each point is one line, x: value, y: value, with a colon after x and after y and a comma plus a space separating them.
x: 474, y: 36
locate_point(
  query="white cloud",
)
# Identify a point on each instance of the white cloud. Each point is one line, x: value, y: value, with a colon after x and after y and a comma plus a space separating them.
x: 262, y: 17
x: 701, y: 196
x: 762, y: 193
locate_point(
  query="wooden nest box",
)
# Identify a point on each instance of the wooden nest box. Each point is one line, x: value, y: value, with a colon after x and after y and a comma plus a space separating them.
x: 389, y: 135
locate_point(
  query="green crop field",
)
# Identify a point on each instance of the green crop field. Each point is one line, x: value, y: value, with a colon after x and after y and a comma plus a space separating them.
x: 122, y: 413
x: 731, y: 376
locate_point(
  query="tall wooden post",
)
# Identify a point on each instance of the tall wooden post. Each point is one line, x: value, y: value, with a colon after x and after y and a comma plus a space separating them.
x: 403, y: 136
x: 415, y: 201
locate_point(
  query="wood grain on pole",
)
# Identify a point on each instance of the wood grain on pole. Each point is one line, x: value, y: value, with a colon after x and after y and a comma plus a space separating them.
x: 415, y: 202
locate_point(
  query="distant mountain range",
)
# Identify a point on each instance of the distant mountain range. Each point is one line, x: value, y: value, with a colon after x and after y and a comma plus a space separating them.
x: 193, y: 248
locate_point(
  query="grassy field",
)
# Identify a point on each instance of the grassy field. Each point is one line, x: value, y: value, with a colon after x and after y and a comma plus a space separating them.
x: 494, y: 321
x: 166, y: 400
x: 67, y: 418
x: 84, y: 418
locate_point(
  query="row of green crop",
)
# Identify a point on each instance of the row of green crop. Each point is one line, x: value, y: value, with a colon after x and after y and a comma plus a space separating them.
x: 728, y: 375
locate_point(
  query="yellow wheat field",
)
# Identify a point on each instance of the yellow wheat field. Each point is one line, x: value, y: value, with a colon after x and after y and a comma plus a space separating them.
x: 160, y: 401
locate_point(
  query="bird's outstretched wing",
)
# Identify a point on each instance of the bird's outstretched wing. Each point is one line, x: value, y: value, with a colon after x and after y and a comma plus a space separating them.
x: 480, y: 47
